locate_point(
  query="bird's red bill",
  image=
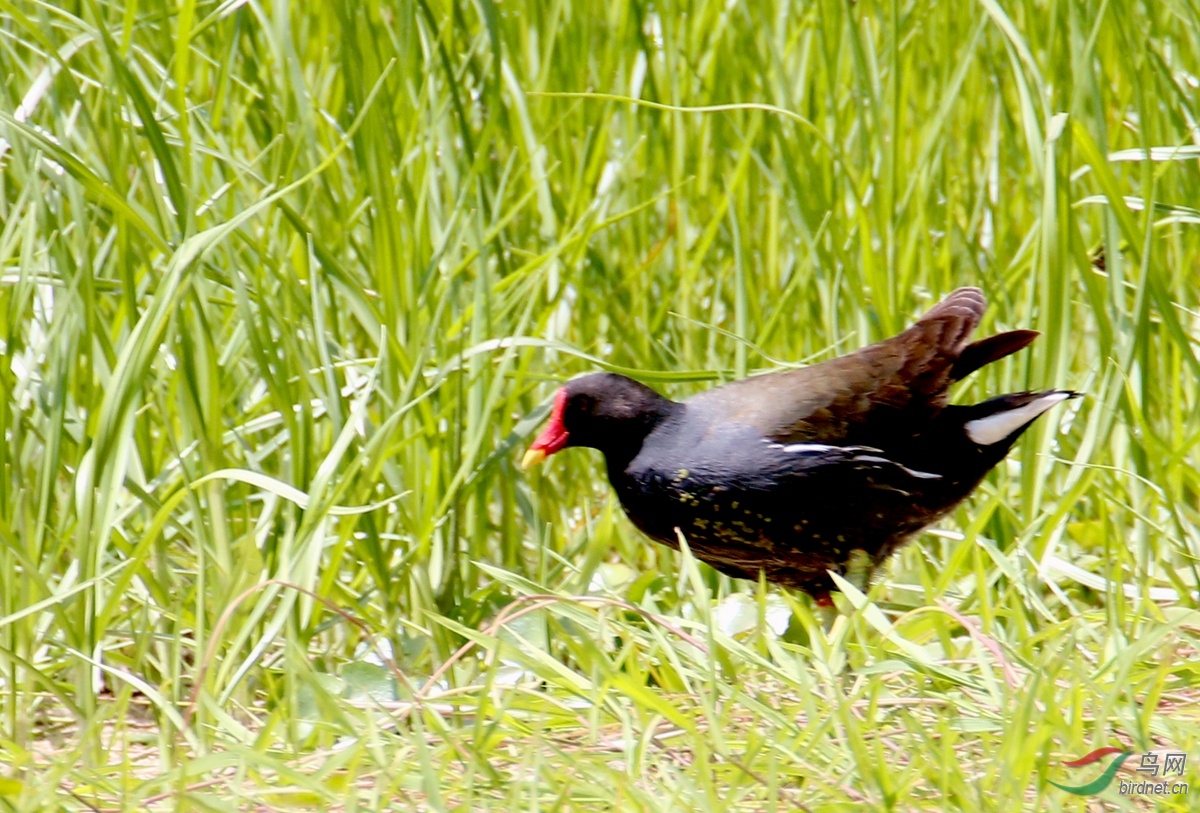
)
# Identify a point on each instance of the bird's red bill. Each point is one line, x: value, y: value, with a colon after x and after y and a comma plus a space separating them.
x: 553, y: 437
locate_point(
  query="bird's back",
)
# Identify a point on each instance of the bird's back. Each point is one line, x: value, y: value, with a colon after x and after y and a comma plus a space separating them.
x: 864, y: 397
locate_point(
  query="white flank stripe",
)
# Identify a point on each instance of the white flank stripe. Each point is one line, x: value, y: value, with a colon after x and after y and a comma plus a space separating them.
x: 808, y: 447
x: 995, y: 428
x: 923, y: 475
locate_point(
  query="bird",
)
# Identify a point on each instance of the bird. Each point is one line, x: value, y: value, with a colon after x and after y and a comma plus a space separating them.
x: 792, y: 475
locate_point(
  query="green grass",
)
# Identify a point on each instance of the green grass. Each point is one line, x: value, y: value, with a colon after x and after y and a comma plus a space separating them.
x: 286, y: 289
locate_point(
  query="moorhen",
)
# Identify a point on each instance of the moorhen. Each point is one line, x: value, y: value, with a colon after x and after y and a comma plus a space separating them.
x: 794, y: 474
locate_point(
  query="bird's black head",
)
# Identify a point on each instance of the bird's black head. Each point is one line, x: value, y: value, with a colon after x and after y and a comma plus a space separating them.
x: 602, y: 411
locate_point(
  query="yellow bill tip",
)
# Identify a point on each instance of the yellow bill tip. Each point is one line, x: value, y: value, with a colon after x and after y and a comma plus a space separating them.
x: 532, y: 458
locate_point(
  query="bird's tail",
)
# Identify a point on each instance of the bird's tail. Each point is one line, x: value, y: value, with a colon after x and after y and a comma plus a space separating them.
x: 1002, y: 420
x: 948, y: 327
x: 985, y: 351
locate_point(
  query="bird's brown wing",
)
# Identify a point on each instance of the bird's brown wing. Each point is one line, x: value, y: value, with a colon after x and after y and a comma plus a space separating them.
x: 867, y: 394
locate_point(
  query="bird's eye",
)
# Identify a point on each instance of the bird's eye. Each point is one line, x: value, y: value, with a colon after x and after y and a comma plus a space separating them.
x: 583, y: 405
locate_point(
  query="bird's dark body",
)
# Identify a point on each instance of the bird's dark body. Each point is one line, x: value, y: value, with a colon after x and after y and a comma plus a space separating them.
x: 793, y: 515
x: 795, y: 474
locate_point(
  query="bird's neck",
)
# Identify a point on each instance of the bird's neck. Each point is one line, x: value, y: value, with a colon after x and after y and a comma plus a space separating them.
x: 626, y: 439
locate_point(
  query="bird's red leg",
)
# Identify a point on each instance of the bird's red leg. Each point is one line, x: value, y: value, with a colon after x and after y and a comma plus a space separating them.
x: 826, y: 612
